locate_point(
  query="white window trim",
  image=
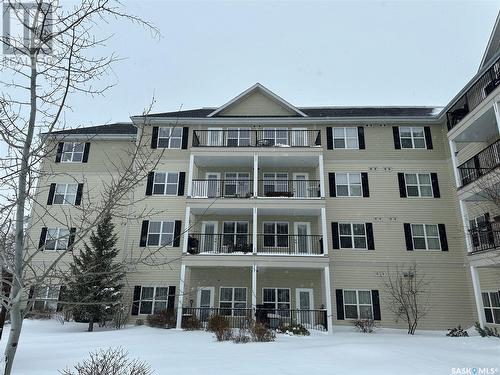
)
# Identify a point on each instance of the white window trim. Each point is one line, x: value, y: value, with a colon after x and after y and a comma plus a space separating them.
x: 419, y: 185
x: 275, y: 137
x: 357, y: 302
x: 412, y: 138
x: 233, y: 301
x: 352, y: 237
x: 275, y: 234
x: 425, y: 237
x: 65, y: 202
x: 238, y: 137
x: 235, y: 233
x: 153, y: 298
x: 161, y: 233
x: 57, y: 239
x: 170, y: 137
x: 349, y: 185
x: 490, y: 307
x: 72, y: 152
x: 276, y: 302
x: 165, y: 183
x: 45, y: 296
x: 345, y: 137
x: 243, y: 184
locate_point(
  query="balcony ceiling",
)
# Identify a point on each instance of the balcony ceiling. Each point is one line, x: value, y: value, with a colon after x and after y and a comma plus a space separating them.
x: 288, y: 161
x: 223, y: 161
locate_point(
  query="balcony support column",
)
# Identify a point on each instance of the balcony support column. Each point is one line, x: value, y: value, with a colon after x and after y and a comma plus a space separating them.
x: 185, y: 241
x: 465, y: 222
x: 180, y: 299
x: 476, y: 285
x: 328, y: 299
x: 190, y: 176
x: 497, y: 115
x: 255, y: 175
x: 254, y: 231
x: 254, y: 290
x: 453, y: 151
x: 321, y: 176
x: 324, y: 231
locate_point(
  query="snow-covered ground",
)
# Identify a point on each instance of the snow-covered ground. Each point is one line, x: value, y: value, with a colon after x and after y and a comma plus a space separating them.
x: 47, y: 346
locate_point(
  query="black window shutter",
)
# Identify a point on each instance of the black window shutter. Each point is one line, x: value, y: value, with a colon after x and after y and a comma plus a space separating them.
x: 154, y: 137
x: 489, y: 230
x: 60, y: 298
x: 185, y: 136
x: 395, y: 134
x: 364, y: 184
x: 361, y: 137
x: 402, y: 185
x: 149, y: 184
x: 52, y: 190
x: 369, y: 236
x: 335, y: 235
x: 339, y: 295
x: 144, y: 233
x: 331, y: 184
x: 435, y: 185
x: 177, y: 233
x: 71, y: 237
x: 79, y: 193
x: 182, y: 182
x: 86, y: 150
x: 59, y: 152
x: 43, y: 236
x: 171, y: 298
x: 136, y: 300
x: 408, y: 238
x: 329, y: 138
x: 442, y: 237
x: 428, y: 137
x: 376, y: 305
x: 318, y: 139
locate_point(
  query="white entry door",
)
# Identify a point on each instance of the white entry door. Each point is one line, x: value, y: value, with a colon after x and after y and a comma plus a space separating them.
x: 213, y: 185
x: 299, y: 137
x: 302, y: 237
x: 205, y: 301
x: 300, y: 185
x: 305, y: 304
x: 209, y: 237
x: 215, y: 137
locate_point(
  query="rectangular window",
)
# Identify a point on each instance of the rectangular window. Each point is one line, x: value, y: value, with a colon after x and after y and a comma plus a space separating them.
x: 491, y: 305
x: 345, y: 138
x: 276, y: 234
x: 275, y: 182
x: 276, y: 136
x: 238, y: 137
x: 169, y: 137
x: 161, y: 233
x: 277, y: 299
x: 418, y: 185
x: 348, y: 184
x: 56, y: 239
x: 233, y: 301
x: 412, y: 137
x: 46, y: 298
x: 65, y: 194
x: 72, y: 152
x: 165, y: 183
x: 425, y: 237
x: 352, y: 236
x: 358, y: 304
x: 235, y: 233
x: 237, y: 184
x: 153, y: 299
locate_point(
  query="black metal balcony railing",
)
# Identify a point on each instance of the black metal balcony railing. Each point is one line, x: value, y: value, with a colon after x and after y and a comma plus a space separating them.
x: 485, y: 237
x: 480, y: 164
x: 271, y: 317
x: 289, y: 188
x: 256, y: 138
x: 275, y: 244
x: 222, y: 188
x: 479, y: 91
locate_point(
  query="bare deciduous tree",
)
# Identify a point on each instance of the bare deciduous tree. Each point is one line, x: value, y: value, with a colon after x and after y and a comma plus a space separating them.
x: 407, y: 292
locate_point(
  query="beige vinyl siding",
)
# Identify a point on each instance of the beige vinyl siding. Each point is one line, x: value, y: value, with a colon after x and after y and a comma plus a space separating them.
x: 257, y: 104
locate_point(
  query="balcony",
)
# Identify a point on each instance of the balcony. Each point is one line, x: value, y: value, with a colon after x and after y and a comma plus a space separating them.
x: 215, y: 188
x: 485, y: 237
x: 480, y: 164
x: 257, y: 138
x: 484, y: 85
x: 276, y: 188
x: 271, y: 244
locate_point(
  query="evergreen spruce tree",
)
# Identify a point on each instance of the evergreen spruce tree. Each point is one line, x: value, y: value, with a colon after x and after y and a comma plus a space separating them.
x: 95, y: 279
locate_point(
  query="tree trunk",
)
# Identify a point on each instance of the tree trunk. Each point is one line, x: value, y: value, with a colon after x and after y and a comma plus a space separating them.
x: 91, y: 324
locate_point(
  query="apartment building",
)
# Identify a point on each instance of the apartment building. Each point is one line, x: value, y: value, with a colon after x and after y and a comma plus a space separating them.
x: 259, y: 208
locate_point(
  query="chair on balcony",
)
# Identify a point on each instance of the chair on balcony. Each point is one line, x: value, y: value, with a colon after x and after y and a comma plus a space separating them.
x: 193, y: 245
